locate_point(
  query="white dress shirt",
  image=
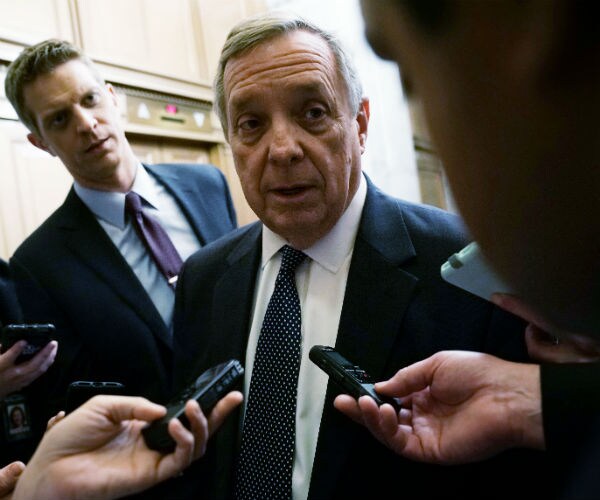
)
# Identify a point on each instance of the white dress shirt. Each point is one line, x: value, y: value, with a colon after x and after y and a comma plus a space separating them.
x: 321, y: 282
x: 109, y: 209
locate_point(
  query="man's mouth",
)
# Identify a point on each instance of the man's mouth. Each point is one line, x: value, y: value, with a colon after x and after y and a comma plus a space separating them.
x: 291, y: 190
x: 95, y: 146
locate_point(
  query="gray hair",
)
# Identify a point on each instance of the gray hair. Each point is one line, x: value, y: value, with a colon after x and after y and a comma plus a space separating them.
x: 257, y: 30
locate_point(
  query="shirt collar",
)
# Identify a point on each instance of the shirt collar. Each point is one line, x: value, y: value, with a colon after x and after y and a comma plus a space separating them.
x: 110, y: 205
x: 331, y: 250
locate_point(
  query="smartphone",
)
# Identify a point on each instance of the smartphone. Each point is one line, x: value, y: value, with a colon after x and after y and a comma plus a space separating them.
x: 469, y: 270
x: 37, y: 336
x: 352, y: 379
x: 207, y: 389
x: 80, y: 391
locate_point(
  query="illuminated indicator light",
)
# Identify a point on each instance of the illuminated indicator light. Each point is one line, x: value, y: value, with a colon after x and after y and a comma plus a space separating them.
x: 171, y: 109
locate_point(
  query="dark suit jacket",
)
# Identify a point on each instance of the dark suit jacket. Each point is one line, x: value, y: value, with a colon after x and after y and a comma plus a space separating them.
x: 10, y: 311
x: 396, y: 310
x: 69, y: 272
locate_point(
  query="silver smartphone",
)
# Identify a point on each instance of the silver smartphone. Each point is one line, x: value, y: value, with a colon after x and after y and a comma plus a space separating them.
x: 469, y: 270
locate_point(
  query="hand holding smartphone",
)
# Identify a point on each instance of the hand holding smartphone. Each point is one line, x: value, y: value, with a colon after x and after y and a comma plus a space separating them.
x: 37, y: 335
x: 207, y: 389
x: 352, y: 379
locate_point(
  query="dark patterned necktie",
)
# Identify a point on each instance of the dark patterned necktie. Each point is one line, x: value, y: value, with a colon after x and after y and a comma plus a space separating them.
x: 268, y: 437
x: 155, y: 238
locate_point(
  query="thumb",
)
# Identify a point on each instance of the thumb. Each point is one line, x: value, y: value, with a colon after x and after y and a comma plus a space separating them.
x: 9, y: 476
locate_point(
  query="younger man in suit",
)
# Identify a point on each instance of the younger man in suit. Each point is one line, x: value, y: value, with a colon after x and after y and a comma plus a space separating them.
x: 85, y: 269
x: 292, y: 109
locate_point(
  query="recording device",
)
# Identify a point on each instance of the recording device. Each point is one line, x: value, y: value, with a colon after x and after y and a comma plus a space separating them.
x: 208, y: 389
x: 352, y: 379
x: 80, y: 391
x: 469, y: 270
x: 37, y: 336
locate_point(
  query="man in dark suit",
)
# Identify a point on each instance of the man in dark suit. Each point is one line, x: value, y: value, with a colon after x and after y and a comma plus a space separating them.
x: 85, y: 269
x: 292, y: 109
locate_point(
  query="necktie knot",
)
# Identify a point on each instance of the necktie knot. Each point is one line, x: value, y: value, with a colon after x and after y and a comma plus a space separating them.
x: 154, y: 237
x: 133, y: 203
x: 290, y: 259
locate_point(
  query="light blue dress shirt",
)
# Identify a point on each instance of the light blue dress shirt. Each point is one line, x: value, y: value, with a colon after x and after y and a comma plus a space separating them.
x: 109, y: 209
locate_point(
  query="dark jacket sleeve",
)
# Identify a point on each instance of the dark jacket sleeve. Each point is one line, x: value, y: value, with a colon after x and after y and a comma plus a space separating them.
x: 571, y: 410
x: 570, y: 404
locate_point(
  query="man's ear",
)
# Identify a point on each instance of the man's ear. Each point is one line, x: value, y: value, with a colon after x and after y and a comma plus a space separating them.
x: 112, y: 93
x: 39, y: 143
x: 362, y: 118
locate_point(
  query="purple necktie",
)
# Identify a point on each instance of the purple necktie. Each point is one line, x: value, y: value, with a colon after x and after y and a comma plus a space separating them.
x: 155, y: 238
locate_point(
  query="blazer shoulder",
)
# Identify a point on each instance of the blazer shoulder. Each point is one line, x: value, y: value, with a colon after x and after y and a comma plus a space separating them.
x: 427, y: 220
x: 204, y: 171
x: 72, y: 211
x: 238, y: 240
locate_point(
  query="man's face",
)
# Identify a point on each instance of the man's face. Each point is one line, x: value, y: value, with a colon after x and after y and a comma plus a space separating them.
x: 295, y: 141
x: 78, y: 121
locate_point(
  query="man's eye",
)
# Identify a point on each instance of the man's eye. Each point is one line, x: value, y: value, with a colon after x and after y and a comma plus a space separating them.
x: 58, y: 120
x: 248, y: 124
x: 315, y: 113
x: 92, y: 99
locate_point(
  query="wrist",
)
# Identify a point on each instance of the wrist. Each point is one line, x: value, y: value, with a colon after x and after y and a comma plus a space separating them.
x: 527, y: 409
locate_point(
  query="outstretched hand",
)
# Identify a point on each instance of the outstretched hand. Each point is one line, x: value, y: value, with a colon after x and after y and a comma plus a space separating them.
x: 457, y: 407
x: 98, y: 451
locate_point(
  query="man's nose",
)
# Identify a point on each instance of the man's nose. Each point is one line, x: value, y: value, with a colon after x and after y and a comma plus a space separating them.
x: 86, y: 121
x: 284, y: 147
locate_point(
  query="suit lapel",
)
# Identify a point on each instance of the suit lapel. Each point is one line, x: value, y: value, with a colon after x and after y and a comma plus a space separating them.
x: 86, y: 239
x: 198, y: 211
x: 378, y: 292
x: 232, y: 310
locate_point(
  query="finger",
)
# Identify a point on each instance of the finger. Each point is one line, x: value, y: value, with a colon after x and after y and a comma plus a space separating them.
x: 120, y: 408
x: 198, y: 427
x: 55, y: 419
x: 38, y: 365
x: 175, y: 462
x: 370, y: 412
x: 222, y: 409
x: 374, y: 419
x: 405, y: 417
x: 349, y: 407
x: 43, y: 359
x: 393, y: 434
x: 413, y: 378
x: 9, y: 476
x: 8, y: 358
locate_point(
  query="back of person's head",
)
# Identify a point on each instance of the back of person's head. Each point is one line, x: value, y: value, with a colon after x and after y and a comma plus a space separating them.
x: 38, y: 60
x: 259, y: 29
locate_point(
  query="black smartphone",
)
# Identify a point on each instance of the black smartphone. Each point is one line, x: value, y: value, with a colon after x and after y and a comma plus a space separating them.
x: 352, y: 379
x: 80, y: 391
x: 37, y: 336
x: 207, y: 389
